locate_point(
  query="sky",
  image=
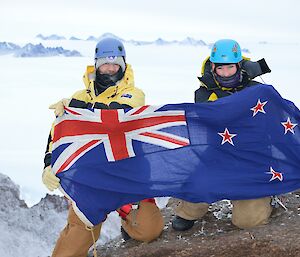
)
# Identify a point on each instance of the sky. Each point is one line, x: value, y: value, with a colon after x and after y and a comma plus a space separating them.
x: 255, y: 20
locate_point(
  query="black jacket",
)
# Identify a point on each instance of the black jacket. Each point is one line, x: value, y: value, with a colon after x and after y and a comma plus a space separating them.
x: 210, y: 90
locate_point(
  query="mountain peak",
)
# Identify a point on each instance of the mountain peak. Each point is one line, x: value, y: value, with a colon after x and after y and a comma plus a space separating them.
x: 108, y: 34
x: 9, y: 193
x: 34, y: 229
x: 51, y: 37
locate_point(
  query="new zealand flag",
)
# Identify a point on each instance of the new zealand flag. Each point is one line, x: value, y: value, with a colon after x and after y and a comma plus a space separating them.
x: 243, y: 146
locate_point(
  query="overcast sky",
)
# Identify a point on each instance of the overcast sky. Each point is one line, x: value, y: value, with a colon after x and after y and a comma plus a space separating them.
x: 255, y: 20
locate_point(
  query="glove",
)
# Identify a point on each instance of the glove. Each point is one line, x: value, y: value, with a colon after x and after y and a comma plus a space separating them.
x: 264, y: 66
x: 59, y: 107
x: 49, y: 179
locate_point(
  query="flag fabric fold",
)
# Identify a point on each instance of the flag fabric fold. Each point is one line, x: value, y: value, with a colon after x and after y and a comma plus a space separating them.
x: 243, y: 146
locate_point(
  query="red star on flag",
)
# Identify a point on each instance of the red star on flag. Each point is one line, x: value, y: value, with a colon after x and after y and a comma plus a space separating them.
x: 227, y: 137
x: 259, y: 107
x: 275, y: 175
x: 289, y: 126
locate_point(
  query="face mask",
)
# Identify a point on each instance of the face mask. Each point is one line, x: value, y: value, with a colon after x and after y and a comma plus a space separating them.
x: 230, y: 82
x: 104, y: 81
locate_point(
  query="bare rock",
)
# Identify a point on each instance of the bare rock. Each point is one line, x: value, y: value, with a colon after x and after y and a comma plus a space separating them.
x: 215, y: 236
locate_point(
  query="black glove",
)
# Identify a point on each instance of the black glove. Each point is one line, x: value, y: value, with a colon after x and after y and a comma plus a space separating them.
x: 264, y: 66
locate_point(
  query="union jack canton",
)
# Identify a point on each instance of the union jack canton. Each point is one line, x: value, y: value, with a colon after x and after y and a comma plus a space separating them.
x: 85, y: 129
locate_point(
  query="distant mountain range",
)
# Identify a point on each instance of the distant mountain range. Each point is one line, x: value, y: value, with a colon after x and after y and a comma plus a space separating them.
x: 31, y: 50
x: 159, y: 41
x: 8, y: 48
x: 51, y: 37
x: 188, y: 41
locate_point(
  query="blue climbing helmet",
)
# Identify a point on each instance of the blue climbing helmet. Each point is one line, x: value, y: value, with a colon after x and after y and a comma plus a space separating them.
x: 109, y: 47
x: 226, y: 51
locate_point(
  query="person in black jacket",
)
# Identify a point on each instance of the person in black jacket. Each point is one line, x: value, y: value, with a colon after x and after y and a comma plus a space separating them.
x: 225, y: 72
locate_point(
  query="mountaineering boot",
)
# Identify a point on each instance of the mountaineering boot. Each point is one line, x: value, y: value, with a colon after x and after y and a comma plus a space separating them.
x: 181, y: 224
x: 124, y: 234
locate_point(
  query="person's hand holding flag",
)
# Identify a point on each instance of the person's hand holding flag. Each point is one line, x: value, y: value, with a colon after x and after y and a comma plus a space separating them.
x: 49, y: 179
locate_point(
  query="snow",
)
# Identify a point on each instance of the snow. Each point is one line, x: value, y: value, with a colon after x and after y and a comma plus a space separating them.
x: 34, y: 231
x: 26, y: 231
x: 167, y: 74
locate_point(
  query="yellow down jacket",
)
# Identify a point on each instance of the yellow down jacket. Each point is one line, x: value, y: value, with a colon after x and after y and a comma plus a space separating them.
x: 124, y: 92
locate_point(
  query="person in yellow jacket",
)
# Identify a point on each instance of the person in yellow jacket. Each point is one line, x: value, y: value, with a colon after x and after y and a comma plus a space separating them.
x: 224, y: 73
x: 109, y: 84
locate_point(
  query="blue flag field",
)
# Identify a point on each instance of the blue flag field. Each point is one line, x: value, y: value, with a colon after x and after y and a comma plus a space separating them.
x: 243, y: 146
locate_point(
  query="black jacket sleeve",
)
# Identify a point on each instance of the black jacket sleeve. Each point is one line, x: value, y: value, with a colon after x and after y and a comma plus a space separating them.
x: 116, y: 105
x: 47, y: 158
x: 202, y: 95
x: 83, y: 105
x: 113, y: 105
x: 255, y: 69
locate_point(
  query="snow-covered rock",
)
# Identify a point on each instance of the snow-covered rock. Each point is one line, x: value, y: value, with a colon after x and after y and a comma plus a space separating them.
x: 138, y: 43
x: 74, y: 38
x: 192, y: 41
x: 9, y: 195
x: 31, y: 50
x: 160, y: 41
x: 107, y: 34
x: 8, y: 48
x: 51, y: 37
x: 91, y: 38
x: 33, y: 231
x: 28, y: 231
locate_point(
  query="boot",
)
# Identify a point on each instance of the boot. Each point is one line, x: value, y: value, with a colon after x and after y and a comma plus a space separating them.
x: 125, y: 236
x: 181, y: 224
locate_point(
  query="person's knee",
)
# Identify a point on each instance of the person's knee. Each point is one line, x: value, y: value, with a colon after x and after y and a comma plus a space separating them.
x: 191, y: 211
x: 251, y: 213
x: 146, y: 225
x: 249, y: 221
x: 148, y: 230
x: 151, y: 234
